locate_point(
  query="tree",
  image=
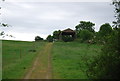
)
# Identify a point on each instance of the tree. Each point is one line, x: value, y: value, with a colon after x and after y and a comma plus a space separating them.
x: 50, y: 38
x: 116, y: 23
x: 85, y: 26
x: 56, y: 34
x: 38, y: 38
x: 107, y: 64
x: 105, y: 32
x: 85, y: 35
x: 105, y: 29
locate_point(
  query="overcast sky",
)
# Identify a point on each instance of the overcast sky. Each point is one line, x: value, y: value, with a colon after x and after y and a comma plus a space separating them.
x: 31, y: 18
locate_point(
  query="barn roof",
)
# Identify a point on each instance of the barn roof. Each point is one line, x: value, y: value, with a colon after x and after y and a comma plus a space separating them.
x: 68, y: 30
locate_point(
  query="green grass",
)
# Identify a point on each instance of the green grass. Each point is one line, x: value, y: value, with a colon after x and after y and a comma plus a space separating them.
x: 17, y: 59
x: 69, y: 59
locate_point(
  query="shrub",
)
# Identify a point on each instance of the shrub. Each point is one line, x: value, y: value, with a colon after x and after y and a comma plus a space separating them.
x: 106, y: 66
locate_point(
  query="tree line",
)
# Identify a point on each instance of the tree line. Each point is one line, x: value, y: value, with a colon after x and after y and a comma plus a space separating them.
x: 85, y: 32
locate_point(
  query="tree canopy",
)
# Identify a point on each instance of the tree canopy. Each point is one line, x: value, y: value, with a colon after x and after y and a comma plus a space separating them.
x: 85, y: 35
x: 56, y: 34
x: 38, y: 38
x: 84, y: 25
x: 50, y: 38
x: 105, y: 29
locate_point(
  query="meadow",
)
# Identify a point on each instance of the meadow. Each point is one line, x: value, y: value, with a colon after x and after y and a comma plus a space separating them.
x: 69, y: 60
x: 17, y: 57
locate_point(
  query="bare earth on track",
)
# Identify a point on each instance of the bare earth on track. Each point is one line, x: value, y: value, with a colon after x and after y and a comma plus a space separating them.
x: 41, y: 68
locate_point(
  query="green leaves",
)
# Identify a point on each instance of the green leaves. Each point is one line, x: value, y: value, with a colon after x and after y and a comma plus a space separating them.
x: 85, y: 25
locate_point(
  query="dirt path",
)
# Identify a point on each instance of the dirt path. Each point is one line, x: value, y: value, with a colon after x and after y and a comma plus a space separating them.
x: 41, y: 68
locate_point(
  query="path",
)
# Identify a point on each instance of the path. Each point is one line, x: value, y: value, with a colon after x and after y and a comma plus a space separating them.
x: 41, y: 68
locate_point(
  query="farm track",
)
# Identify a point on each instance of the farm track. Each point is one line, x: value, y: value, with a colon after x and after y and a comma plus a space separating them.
x: 41, y: 68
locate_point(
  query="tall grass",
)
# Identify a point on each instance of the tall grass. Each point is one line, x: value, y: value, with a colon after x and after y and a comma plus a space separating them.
x: 69, y: 59
x: 17, y: 57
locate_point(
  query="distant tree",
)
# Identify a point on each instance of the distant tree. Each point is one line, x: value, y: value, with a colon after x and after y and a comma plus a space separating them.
x: 105, y: 32
x: 105, y: 29
x: 85, y: 35
x: 84, y: 25
x: 56, y: 34
x: 50, y: 38
x: 38, y: 38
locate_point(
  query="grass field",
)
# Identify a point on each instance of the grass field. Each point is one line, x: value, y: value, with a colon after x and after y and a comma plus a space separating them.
x: 69, y: 59
x: 17, y: 57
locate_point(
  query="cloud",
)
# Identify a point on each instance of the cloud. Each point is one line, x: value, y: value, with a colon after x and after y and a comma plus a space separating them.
x: 42, y: 18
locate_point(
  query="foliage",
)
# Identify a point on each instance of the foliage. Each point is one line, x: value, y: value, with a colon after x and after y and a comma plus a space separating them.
x: 38, y: 38
x: 116, y: 23
x: 105, y: 29
x: 85, y: 35
x: 4, y: 25
x: 56, y: 34
x: 84, y: 25
x: 50, y: 38
x: 104, y: 33
x: 107, y: 65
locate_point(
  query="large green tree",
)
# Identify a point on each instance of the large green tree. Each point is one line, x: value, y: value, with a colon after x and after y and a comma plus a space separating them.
x: 84, y: 25
x: 85, y: 35
x: 104, y: 33
x: 105, y: 29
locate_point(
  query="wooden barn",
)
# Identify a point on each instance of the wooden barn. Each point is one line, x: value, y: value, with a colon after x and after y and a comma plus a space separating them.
x: 68, y: 32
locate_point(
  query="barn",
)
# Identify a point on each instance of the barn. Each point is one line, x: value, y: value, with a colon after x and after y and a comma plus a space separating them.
x: 68, y: 32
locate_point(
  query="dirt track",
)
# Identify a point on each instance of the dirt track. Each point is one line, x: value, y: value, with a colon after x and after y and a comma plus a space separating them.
x: 41, y: 68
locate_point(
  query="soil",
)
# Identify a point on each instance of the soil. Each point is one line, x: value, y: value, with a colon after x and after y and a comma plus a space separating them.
x: 41, y: 68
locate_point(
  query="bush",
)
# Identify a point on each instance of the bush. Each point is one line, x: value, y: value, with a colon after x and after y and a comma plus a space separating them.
x: 106, y: 66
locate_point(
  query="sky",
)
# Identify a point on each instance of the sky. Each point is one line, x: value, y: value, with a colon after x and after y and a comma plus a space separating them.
x: 30, y: 18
